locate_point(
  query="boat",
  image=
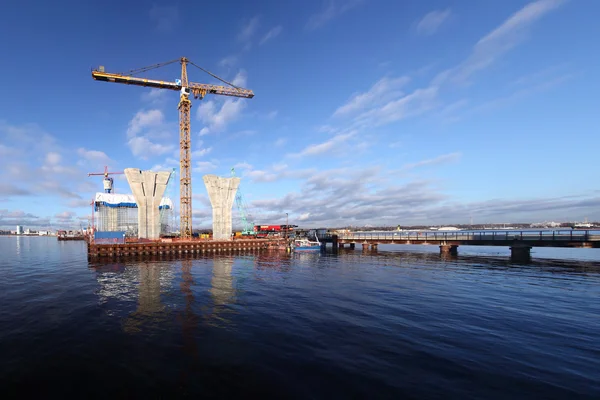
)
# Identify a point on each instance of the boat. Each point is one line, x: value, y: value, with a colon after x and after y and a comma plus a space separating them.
x: 303, y: 244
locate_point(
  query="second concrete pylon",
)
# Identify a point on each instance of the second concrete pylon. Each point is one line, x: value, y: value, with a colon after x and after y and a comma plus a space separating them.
x: 221, y: 192
x: 148, y: 188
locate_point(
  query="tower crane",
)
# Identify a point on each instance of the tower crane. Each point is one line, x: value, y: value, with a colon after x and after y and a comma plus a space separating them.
x: 107, y: 181
x: 185, y: 88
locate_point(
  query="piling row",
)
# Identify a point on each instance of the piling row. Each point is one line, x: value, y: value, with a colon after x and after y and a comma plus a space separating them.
x: 192, y: 247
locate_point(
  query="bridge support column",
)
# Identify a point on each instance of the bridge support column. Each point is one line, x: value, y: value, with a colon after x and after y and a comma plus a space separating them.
x: 374, y: 246
x: 352, y: 246
x: 365, y: 246
x: 341, y: 245
x: 334, y: 242
x: 520, y: 252
x: 451, y: 249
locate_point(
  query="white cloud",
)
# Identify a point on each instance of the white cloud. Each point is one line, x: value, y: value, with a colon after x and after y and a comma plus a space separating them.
x: 142, y: 147
x: 166, y: 165
x: 431, y: 22
x: 248, y: 30
x: 94, y: 156
x: 216, y: 119
x: 382, y: 91
x: 522, y: 18
x: 260, y: 176
x: 52, y: 165
x: 413, y: 104
x: 204, y: 166
x: 65, y: 215
x: 155, y: 96
x: 5, y: 150
x: 144, y: 119
x: 502, y: 39
x: 276, y: 172
x: 327, y: 146
x: 446, y: 158
x: 382, y: 105
x: 149, y: 135
x: 272, y: 34
x: 331, y: 10
x: 201, y: 152
x: 228, y: 61
x: 280, y: 142
x: 240, y: 78
x: 165, y: 17
x: 304, y: 216
x: 53, y: 158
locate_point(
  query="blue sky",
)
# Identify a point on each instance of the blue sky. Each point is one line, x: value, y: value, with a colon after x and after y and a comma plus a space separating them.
x: 365, y: 111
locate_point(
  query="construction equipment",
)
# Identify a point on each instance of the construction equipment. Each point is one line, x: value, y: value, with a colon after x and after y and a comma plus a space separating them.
x: 107, y: 181
x: 247, y: 226
x: 199, y: 90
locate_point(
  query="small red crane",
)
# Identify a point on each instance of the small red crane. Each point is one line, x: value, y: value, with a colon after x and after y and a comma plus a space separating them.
x: 108, y: 181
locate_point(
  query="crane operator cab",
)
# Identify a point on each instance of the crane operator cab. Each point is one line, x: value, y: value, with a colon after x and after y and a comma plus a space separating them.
x: 185, y: 91
x: 108, y: 184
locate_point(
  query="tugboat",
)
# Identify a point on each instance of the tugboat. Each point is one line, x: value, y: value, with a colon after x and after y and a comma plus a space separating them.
x: 303, y: 244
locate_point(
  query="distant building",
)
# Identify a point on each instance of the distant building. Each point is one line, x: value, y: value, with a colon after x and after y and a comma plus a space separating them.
x: 43, y: 233
x: 20, y: 230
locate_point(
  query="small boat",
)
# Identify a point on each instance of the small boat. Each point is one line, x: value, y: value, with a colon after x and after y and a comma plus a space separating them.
x: 303, y: 244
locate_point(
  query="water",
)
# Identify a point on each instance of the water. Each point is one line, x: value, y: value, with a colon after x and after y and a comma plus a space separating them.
x: 399, y: 323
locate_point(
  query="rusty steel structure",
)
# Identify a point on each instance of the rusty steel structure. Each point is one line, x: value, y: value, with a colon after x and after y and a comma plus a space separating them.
x: 186, y: 88
x: 177, y: 248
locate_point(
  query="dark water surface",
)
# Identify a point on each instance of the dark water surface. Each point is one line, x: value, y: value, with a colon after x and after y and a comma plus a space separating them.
x: 399, y: 323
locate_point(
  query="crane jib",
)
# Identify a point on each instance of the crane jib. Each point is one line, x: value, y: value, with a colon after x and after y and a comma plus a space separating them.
x: 132, y: 80
x: 197, y: 88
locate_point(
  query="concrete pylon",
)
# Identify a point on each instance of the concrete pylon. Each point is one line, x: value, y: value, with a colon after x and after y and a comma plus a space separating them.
x: 221, y: 192
x: 148, y: 188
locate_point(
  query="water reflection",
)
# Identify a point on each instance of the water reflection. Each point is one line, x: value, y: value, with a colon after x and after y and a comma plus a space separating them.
x: 221, y: 290
x: 150, y: 310
x: 19, y: 246
x: 188, y: 318
x: 141, y: 283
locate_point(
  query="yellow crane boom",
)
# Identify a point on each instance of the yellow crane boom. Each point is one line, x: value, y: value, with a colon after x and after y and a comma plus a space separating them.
x: 198, y: 90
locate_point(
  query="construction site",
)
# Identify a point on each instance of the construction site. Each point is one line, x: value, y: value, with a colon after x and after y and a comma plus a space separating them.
x: 143, y: 222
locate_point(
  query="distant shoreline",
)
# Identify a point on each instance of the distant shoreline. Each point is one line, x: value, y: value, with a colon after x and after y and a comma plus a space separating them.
x: 30, y: 235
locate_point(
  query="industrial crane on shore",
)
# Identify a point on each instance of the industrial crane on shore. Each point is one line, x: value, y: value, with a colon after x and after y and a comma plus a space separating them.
x: 198, y: 90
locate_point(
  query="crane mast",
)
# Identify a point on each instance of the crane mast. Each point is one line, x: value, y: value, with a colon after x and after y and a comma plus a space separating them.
x: 186, y: 88
x: 185, y: 182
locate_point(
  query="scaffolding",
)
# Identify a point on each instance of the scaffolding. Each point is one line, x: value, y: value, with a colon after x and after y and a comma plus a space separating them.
x: 119, y: 212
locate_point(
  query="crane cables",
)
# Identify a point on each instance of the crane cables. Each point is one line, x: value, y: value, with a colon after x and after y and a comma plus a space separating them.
x: 148, y: 68
x: 214, y: 76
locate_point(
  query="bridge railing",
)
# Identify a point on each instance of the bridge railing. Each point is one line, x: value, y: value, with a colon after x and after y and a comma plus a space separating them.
x: 565, y: 235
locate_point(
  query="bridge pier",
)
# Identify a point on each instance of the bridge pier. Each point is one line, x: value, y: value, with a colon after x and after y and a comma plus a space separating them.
x: 451, y: 249
x: 367, y: 246
x: 520, y: 252
x: 352, y: 246
x: 341, y: 245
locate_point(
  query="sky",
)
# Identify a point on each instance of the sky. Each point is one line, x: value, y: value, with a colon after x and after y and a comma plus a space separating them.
x: 366, y: 112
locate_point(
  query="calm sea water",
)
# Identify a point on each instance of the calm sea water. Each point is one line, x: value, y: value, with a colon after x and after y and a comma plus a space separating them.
x: 400, y: 323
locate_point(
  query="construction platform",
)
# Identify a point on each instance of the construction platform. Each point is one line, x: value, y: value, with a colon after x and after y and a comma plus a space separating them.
x: 70, y: 237
x: 157, y: 248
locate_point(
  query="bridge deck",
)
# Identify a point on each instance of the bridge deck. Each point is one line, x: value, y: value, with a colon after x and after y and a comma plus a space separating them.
x: 564, y: 238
